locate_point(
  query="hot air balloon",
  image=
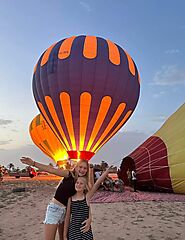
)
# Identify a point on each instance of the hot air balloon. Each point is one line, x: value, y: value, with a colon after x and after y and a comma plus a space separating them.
x: 46, y: 141
x: 160, y: 160
x: 86, y: 88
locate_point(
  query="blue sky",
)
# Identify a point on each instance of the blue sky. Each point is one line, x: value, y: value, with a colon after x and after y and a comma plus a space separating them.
x: 153, y: 32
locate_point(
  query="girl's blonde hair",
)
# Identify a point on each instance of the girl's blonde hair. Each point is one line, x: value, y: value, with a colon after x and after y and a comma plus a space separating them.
x: 75, y: 175
x: 86, y: 184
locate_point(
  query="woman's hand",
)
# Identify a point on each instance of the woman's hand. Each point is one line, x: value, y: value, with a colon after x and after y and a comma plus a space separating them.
x: 27, y: 160
x: 91, y: 165
x: 86, y: 227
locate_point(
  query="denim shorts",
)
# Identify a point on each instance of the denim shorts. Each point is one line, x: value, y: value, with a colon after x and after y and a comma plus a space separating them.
x: 54, y: 214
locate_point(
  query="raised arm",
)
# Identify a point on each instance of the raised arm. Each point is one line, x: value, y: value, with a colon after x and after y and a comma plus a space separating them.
x: 43, y: 167
x: 91, y: 176
x: 97, y: 183
x: 67, y: 219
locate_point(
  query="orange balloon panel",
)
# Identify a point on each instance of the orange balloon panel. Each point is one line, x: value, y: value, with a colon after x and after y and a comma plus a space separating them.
x: 46, y: 140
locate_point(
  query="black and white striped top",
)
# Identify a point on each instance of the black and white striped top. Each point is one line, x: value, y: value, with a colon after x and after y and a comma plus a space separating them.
x: 79, y: 213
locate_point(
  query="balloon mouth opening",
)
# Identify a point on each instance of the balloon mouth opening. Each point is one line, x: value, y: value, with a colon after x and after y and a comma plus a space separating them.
x: 86, y: 155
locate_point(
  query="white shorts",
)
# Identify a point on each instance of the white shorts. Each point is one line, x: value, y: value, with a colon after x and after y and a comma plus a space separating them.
x: 55, y: 214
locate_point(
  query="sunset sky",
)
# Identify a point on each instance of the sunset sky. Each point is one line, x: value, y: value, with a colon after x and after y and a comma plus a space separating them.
x: 152, y: 32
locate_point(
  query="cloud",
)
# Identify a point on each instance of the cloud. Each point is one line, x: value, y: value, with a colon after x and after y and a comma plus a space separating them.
x: 14, y: 130
x: 30, y: 145
x: 5, y: 122
x: 6, y: 142
x: 169, y: 76
x: 159, y: 94
x: 86, y: 6
x: 172, y: 51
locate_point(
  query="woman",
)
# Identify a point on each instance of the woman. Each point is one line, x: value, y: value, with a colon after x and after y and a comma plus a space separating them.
x: 56, y: 209
x: 78, y: 209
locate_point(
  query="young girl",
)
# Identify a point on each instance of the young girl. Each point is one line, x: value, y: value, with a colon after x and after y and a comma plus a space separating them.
x: 78, y: 209
x: 57, y: 207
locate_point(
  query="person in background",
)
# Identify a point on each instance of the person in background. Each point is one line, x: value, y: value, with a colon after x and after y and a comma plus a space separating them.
x: 108, y: 184
x: 129, y: 177
x: 56, y: 209
x: 118, y: 185
x: 134, y: 179
x: 97, y: 175
x: 32, y: 172
x: 1, y: 174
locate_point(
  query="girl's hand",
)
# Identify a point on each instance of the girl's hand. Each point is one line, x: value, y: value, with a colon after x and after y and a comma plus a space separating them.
x: 86, y: 227
x: 27, y: 160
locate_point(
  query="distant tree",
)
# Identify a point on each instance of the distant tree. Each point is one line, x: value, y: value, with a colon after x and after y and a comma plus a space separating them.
x: 104, y: 165
x: 17, y: 169
x: 97, y: 167
x: 11, y: 167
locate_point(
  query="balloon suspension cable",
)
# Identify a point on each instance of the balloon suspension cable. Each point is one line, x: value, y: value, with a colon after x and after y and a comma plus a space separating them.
x: 153, y: 141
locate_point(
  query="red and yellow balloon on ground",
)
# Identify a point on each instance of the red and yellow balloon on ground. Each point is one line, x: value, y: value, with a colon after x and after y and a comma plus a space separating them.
x: 86, y: 88
x: 160, y: 160
x: 46, y: 141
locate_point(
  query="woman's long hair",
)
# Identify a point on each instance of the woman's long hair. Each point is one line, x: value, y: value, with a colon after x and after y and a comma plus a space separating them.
x: 78, y: 163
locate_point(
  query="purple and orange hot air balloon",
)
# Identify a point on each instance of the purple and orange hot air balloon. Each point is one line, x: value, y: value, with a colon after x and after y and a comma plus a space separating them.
x: 86, y: 88
x: 160, y: 161
x: 46, y: 141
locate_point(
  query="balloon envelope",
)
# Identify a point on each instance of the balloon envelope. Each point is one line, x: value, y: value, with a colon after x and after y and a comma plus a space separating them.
x: 160, y: 161
x: 86, y: 88
x: 46, y: 141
